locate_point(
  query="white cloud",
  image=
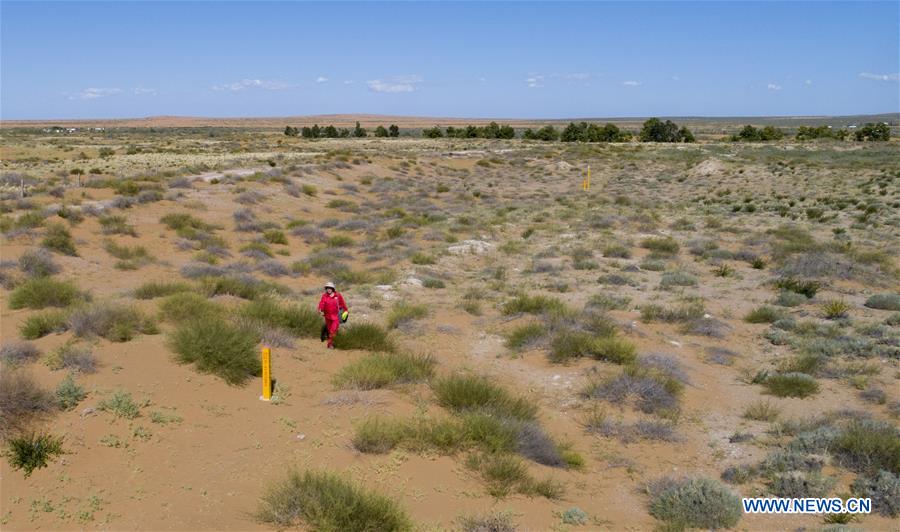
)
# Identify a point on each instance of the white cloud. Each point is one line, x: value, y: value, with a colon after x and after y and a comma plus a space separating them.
x: 880, y: 77
x: 395, y: 84
x: 92, y: 93
x: 577, y: 76
x: 808, y: 82
x: 252, y: 83
x: 631, y: 83
x: 321, y: 79
x: 535, y: 80
x: 773, y: 87
x: 140, y: 91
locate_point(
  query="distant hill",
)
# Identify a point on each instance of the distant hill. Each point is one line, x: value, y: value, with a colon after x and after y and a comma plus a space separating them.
x: 699, y: 123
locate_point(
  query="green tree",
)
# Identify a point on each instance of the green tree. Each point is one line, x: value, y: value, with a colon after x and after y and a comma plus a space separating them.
x: 771, y: 133
x: 290, y: 131
x: 874, y: 132
x: 380, y: 131
x: 358, y: 131
x: 574, y: 133
x: 433, y: 133
x: 685, y: 135
x: 316, y: 131
x: 394, y: 131
x: 547, y: 133
x: 330, y: 132
x: 490, y: 131
x: 507, y: 132
x: 655, y: 130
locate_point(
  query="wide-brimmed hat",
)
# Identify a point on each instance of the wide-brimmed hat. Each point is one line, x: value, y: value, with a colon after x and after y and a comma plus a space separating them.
x: 330, y: 285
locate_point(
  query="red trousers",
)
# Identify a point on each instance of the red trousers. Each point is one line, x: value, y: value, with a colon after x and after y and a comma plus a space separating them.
x: 332, y: 323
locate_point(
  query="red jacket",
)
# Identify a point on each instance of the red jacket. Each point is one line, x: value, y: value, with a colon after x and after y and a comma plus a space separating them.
x: 331, y: 305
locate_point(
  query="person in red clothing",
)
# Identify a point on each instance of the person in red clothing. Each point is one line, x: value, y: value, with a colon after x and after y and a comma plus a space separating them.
x: 330, y: 306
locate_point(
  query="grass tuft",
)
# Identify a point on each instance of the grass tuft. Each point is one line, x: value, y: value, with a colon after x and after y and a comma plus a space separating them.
x: 462, y: 393
x: 366, y: 336
x: 218, y: 347
x: 32, y: 451
x: 382, y: 370
x: 44, y: 292
x: 695, y: 503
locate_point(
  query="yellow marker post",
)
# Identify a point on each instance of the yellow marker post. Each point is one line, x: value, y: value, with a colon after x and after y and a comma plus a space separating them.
x: 589, y: 178
x: 266, y: 374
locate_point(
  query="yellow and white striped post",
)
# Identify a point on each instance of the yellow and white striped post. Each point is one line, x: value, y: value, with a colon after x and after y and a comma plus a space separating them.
x: 266, y: 374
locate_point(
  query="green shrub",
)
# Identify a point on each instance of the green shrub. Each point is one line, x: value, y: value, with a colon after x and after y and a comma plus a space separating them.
x: 58, y: 238
x: 244, y: 287
x: 185, y: 306
x: 764, y: 314
x: 800, y: 484
x: 666, y: 245
x: 324, y: 501
x: 339, y: 241
x: 433, y: 283
x: 69, y: 393
x: 421, y: 258
x: 535, y: 305
x: 367, y: 336
x: 180, y: 221
x: 762, y: 411
x: 696, y: 503
x: 120, y: 404
x: 217, y: 347
x: 130, y: 257
x: 883, y: 489
x: 43, y: 323
x: 309, y: 190
x: 116, y: 225
x: 869, y: 446
x: 32, y: 451
x: 377, y: 435
x: 575, y: 344
x: 297, y: 320
x: 38, y: 263
x: 44, y: 292
x: 382, y: 370
x: 524, y: 335
x: 505, y: 474
x: 462, y: 393
x: 790, y: 299
x: 617, y: 251
x: 685, y: 312
x: 72, y: 357
x: 260, y: 247
x: 404, y: 312
x: 835, y: 309
x: 791, y: 384
x: 798, y: 286
x: 154, y: 289
x: 884, y: 302
x: 275, y: 236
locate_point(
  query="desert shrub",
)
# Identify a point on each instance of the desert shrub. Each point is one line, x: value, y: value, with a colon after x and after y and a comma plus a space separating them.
x: 21, y: 400
x: 113, y: 321
x: 762, y: 411
x: 791, y: 384
x: 462, y: 393
x: 339, y: 241
x: 617, y: 251
x: 403, y: 312
x: 378, y: 435
x: 677, y: 279
x: 324, y: 501
x: 68, y: 393
x: 523, y: 336
x: 799, y: 484
x: 300, y: 321
x: 120, y: 404
x: 684, y: 312
x: 505, y: 474
x: 764, y: 314
x: 835, y: 308
x: 257, y: 250
x: 38, y: 263
x: 869, y: 446
x: 431, y: 282
x: 884, y: 302
x: 535, y: 305
x: 604, y: 302
x: 501, y: 522
x: 798, y: 286
x: 575, y: 344
x: 652, y: 430
x: 59, y: 239
x: 665, y: 245
x: 43, y: 323
x: 32, y: 451
x: 652, y: 265
x: 73, y: 357
x: 382, y: 370
x: 215, y: 346
x: 154, y: 289
x: 696, y: 503
x: 115, y: 224
x: 185, y: 306
x: 790, y: 299
x: 44, y: 292
x: 19, y: 353
x: 182, y: 221
x: 884, y: 490
x: 367, y: 336
x: 653, y: 391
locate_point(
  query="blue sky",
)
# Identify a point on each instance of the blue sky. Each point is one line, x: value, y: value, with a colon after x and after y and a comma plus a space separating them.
x: 528, y: 60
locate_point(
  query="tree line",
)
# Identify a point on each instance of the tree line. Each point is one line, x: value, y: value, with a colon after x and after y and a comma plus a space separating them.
x: 652, y: 130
